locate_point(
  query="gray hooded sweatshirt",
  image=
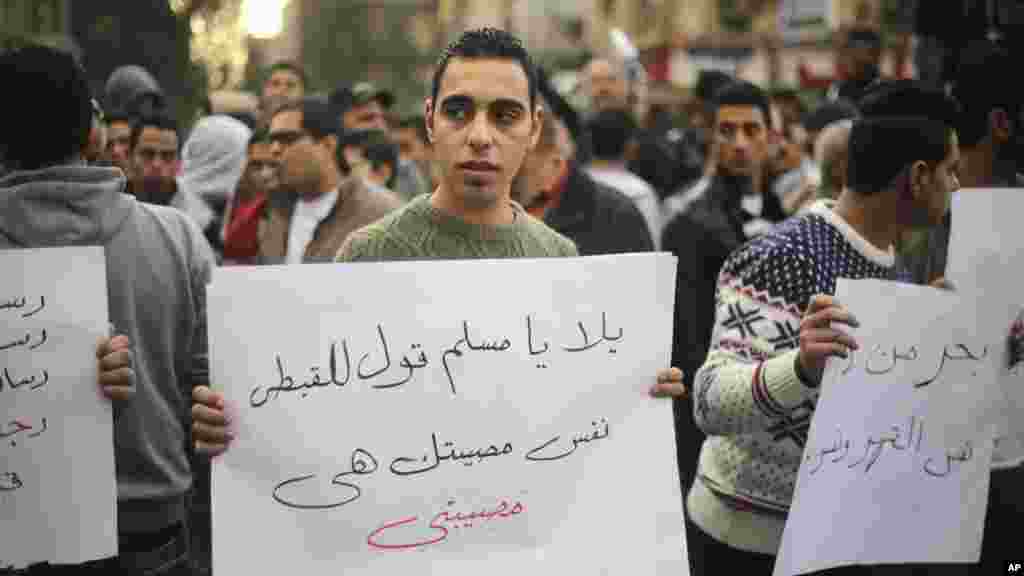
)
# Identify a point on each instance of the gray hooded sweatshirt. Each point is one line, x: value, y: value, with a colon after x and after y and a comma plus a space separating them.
x: 158, y: 264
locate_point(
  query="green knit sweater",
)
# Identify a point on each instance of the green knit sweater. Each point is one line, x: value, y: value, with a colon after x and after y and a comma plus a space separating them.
x: 418, y: 231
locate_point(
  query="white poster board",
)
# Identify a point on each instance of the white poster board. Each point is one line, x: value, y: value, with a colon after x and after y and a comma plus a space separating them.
x: 896, y: 466
x: 58, y: 493
x: 457, y: 417
x: 986, y: 262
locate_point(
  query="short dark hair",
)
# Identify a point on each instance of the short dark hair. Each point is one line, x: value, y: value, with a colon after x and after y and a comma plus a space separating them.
x: 487, y: 43
x: 980, y: 86
x: 318, y: 117
x: 908, y: 98
x: 828, y: 112
x: 288, y: 66
x: 709, y: 82
x: 610, y: 132
x: 417, y: 123
x: 48, y: 105
x: 117, y: 115
x: 882, y: 147
x: 158, y: 120
x: 742, y: 93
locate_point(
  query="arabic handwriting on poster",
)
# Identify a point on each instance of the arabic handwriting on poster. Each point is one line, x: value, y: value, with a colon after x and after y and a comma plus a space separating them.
x: 534, y: 351
x: 258, y: 397
x: 405, y: 466
x: 26, y: 342
x: 416, y: 359
x: 16, y: 429
x: 441, y: 526
x: 882, y: 360
x: 10, y: 481
x: 896, y: 439
x: 32, y: 382
x: 483, y: 346
x: 542, y: 454
x: 964, y: 353
x: 605, y: 337
x: 362, y: 464
x: 19, y: 303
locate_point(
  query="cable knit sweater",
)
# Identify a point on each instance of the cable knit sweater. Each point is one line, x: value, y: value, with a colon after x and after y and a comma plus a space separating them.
x: 748, y: 397
x: 418, y: 231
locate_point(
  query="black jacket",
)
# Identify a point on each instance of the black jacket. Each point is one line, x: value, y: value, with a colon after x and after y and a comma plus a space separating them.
x: 703, y: 236
x: 598, y: 219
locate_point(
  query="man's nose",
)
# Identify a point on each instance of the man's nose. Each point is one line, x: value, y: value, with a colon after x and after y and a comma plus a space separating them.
x: 481, y: 132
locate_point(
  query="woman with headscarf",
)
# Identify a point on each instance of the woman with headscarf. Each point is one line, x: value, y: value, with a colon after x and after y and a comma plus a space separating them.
x: 213, y: 160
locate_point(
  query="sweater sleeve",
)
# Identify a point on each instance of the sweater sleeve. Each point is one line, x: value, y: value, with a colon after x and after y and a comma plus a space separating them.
x: 748, y: 382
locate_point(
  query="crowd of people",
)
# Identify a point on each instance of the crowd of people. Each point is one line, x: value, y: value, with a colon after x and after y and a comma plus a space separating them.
x: 766, y: 199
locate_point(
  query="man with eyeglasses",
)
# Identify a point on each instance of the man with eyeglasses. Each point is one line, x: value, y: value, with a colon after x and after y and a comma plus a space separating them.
x: 320, y: 206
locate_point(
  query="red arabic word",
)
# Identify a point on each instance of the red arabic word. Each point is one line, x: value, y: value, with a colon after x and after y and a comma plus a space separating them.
x: 440, y: 525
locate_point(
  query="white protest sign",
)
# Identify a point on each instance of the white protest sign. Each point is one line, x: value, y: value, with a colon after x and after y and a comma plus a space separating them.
x: 986, y: 262
x: 58, y: 493
x: 446, y: 417
x: 896, y: 465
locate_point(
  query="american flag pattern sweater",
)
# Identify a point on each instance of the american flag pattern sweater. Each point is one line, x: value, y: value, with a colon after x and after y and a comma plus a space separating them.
x: 748, y: 397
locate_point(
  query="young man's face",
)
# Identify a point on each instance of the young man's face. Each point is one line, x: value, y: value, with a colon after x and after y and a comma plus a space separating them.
x: 482, y: 126
x: 156, y: 154
x: 607, y: 86
x: 741, y: 134
x: 260, y: 168
x: 369, y: 116
x: 282, y: 86
x: 937, y: 186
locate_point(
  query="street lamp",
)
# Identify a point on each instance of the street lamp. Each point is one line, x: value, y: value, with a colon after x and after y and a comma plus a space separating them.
x: 263, y: 19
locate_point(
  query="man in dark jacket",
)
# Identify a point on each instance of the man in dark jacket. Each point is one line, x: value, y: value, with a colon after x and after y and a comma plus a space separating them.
x: 720, y: 214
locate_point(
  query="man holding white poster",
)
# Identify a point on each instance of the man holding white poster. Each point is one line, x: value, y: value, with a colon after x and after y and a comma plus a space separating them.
x: 777, y: 323
x: 482, y: 119
x: 157, y: 264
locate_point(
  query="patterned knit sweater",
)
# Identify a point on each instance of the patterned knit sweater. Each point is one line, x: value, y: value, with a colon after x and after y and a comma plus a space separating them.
x: 748, y: 397
x: 418, y: 231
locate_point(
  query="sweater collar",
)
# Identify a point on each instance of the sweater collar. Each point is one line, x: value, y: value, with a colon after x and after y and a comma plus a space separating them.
x: 883, y: 258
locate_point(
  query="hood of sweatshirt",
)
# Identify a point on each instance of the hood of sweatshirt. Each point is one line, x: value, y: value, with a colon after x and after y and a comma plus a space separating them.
x: 63, y: 205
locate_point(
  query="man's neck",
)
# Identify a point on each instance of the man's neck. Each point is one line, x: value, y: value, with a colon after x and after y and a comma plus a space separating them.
x: 871, y: 217
x: 328, y: 184
x: 500, y: 213
x: 980, y: 167
x: 618, y: 165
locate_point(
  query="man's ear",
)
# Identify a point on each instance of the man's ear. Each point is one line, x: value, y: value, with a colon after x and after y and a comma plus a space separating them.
x: 919, y: 177
x: 428, y: 117
x: 535, y: 128
x: 999, y: 125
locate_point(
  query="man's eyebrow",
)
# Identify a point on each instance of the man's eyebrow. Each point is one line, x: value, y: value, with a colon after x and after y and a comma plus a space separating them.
x: 499, y: 102
x: 508, y: 103
x: 456, y: 99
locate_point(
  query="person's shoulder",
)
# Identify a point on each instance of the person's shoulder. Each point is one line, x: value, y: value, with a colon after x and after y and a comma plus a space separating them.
x: 178, y: 231
x: 383, y: 238
x: 788, y: 246
x: 375, y: 197
x: 553, y: 243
